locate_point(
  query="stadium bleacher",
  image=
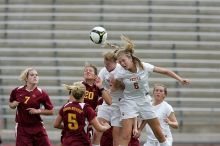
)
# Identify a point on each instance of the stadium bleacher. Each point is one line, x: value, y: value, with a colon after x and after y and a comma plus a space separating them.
x: 53, y: 37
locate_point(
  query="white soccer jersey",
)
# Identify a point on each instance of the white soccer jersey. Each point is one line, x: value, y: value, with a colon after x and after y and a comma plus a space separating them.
x: 136, y: 84
x: 104, y: 74
x: 162, y: 110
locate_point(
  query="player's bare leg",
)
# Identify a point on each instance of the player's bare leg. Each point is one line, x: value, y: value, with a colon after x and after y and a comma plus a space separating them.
x: 156, y: 128
x: 116, y: 136
x: 126, y: 131
x: 98, y: 135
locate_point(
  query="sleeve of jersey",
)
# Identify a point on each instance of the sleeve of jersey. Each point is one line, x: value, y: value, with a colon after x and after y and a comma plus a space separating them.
x: 90, y: 113
x: 101, y: 73
x: 47, y: 102
x: 13, y: 95
x: 61, y: 112
x: 148, y: 67
x: 169, y: 109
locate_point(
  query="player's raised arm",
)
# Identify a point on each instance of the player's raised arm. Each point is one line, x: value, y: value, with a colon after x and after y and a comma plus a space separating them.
x: 105, y: 94
x: 172, y: 74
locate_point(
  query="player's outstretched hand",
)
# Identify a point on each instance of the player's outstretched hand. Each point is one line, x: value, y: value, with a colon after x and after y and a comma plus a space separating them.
x: 106, y: 125
x: 136, y: 133
x: 185, y: 81
x: 98, y: 82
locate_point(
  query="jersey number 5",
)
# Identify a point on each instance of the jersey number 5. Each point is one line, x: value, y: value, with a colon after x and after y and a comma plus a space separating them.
x: 72, y: 122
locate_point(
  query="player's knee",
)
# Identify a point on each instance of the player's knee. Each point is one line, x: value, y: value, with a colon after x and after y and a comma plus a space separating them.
x: 160, y: 137
x: 116, y: 139
x: 126, y: 137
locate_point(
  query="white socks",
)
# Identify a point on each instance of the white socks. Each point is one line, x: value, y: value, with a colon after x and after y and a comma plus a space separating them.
x: 95, y: 145
x: 165, y: 143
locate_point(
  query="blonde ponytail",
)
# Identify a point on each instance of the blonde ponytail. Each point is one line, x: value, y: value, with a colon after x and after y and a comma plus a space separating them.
x: 77, y: 90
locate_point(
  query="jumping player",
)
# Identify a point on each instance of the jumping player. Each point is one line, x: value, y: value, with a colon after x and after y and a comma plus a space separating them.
x: 133, y: 75
x: 110, y: 114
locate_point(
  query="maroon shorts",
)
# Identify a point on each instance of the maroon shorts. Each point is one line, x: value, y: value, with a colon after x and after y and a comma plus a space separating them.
x: 73, y: 141
x: 107, y: 139
x: 134, y: 142
x: 32, y: 136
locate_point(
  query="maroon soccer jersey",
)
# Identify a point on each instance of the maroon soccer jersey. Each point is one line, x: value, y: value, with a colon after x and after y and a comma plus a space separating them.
x: 74, y: 116
x: 29, y: 99
x: 92, y: 96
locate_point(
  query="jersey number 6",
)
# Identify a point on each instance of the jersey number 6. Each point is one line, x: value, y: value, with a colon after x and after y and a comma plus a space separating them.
x: 136, y: 86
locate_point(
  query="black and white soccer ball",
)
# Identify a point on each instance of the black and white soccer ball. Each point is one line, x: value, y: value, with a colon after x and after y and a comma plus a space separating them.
x: 98, y: 35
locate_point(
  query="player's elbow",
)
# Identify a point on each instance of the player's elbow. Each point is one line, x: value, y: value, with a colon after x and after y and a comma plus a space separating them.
x: 57, y: 125
x: 109, y: 102
x: 108, y: 99
x: 10, y: 104
x: 175, y: 126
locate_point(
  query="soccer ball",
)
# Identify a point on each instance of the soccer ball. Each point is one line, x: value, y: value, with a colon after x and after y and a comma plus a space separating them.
x: 98, y: 35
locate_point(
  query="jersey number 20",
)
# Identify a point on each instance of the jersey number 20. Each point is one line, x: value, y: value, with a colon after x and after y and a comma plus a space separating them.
x: 89, y: 95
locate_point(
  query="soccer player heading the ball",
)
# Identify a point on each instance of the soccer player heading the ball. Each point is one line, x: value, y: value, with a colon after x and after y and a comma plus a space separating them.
x: 136, y: 102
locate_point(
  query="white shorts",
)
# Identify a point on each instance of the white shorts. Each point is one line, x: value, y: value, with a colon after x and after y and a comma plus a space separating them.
x: 151, y: 143
x: 156, y: 143
x: 110, y: 113
x: 133, y: 108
